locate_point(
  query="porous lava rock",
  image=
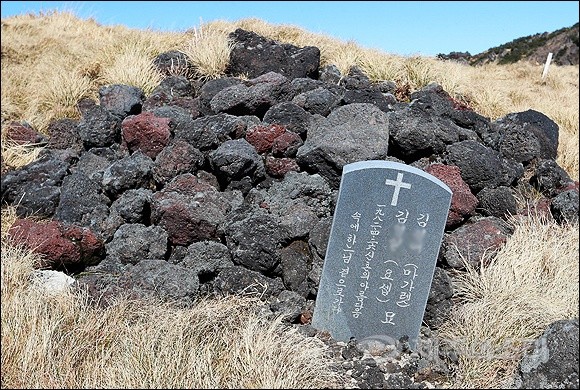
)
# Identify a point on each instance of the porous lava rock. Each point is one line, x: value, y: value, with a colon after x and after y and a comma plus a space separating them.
x: 474, y: 242
x: 147, y: 133
x: 463, y: 202
x: 191, y: 210
x: 61, y: 246
x: 255, y: 55
x: 355, y: 132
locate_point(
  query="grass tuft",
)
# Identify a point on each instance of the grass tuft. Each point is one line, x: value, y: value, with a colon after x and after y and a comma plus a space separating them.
x: 16, y: 155
x: 208, y: 49
x: 531, y: 282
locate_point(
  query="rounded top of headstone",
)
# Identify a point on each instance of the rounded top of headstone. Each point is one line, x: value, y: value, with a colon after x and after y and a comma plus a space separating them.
x: 393, y: 165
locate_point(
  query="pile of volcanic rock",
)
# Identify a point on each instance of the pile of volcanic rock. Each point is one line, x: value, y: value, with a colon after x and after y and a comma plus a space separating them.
x: 228, y: 186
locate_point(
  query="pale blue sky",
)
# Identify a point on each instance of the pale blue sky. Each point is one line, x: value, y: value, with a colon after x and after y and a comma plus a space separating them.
x: 400, y: 27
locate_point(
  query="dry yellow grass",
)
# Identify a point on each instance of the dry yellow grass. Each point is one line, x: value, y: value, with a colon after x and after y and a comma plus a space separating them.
x: 208, y: 49
x: 15, y: 155
x: 51, y: 60
x: 8, y: 218
x: 531, y: 282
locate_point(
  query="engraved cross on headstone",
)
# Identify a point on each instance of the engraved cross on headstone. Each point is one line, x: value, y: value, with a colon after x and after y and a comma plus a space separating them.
x: 398, y: 184
x: 382, y: 250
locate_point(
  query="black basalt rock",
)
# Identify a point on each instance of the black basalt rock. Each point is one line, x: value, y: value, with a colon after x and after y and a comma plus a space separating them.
x: 482, y: 166
x: 528, y: 135
x: 99, y: 127
x: 553, y: 361
x: 35, y: 188
x: 255, y: 55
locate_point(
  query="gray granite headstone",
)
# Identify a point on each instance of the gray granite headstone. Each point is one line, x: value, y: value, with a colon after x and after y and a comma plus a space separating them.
x: 381, y: 255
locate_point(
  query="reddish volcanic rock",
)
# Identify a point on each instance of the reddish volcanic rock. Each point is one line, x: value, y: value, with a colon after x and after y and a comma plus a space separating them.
x: 262, y: 137
x: 541, y: 208
x: 177, y: 158
x: 23, y: 134
x: 189, y: 185
x: 475, y: 242
x: 278, y: 167
x: 463, y: 202
x: 90, y: 246
x: 573, y: 185
x: 286, y: 145
x: 147, y: 133
x: 190, y: 210
x: 61, y: 245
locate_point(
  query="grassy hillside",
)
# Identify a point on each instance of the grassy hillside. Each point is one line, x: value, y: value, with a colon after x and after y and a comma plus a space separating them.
x: 50, y: 61
x: 563, y: 43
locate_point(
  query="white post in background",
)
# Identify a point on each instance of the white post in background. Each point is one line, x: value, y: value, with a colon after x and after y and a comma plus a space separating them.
x: 546, y: 66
